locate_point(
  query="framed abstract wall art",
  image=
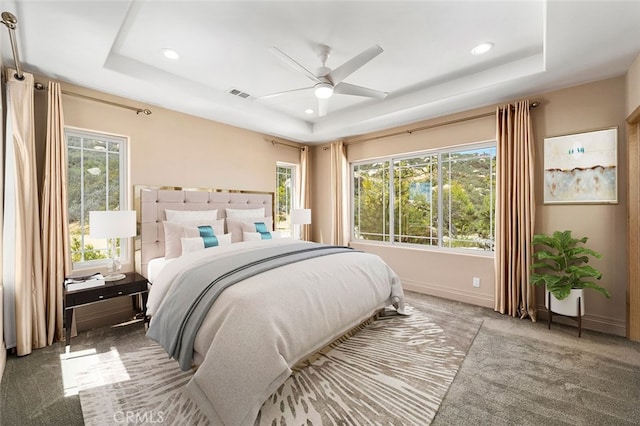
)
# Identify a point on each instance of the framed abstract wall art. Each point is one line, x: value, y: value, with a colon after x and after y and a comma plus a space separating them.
x: 582, y: 168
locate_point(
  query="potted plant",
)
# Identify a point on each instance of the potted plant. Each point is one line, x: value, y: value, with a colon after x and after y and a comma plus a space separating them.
x: 560, y: 264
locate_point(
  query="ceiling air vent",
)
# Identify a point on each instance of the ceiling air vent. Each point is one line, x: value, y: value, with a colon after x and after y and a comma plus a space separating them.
x: 240, y: 93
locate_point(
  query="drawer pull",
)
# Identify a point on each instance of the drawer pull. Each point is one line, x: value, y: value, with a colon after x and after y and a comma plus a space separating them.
x: 101, y: 297
x: 119, y: 293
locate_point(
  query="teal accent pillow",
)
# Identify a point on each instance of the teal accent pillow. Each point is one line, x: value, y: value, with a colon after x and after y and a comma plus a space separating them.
x: 208, y: 236
x: 261, y: 228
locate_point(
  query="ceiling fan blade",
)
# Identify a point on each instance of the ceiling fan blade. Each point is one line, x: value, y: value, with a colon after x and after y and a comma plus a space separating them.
x: 351, y: 89
x: 323, y: 105
x: 293, y: 64
x: 286, y: 92
x: 349, y: 67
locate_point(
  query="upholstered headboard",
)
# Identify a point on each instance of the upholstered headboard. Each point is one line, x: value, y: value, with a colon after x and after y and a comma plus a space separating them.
x: 151, y: 203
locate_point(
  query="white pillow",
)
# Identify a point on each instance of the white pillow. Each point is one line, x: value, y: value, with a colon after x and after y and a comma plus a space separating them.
x: 183, y: 216
x: 245, y: 213
x: 174, y: 231
x: 197, y: 243
x: 250, y: 225
x: 234, y: 226
x: 256, y: 236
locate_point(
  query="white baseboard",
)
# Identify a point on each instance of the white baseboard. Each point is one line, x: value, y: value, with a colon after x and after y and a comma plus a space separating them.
x: 470, y: 297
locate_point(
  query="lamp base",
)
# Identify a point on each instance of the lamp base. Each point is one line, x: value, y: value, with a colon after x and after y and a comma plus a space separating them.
x: 114, y: 277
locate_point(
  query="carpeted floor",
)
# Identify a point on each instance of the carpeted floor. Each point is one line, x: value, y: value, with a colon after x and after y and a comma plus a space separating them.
x: 515, y: 373
x: 394, y: 370
x: 520, y: 373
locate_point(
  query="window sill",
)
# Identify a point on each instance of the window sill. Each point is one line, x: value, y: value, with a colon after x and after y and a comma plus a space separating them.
x: 417, y: 247
x: 101, y: 267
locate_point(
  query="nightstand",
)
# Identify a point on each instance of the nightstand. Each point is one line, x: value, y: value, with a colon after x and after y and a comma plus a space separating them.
x: 133, y: 284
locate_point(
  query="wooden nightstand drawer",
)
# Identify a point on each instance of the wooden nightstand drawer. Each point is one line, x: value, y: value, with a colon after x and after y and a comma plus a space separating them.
x: 108, y: 291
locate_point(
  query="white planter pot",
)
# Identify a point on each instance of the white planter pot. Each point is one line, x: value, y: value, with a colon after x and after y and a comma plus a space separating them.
x: 568, y: 306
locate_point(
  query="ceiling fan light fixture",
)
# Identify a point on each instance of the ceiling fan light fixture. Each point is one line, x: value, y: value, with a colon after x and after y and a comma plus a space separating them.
x: 323, y: 90
x: 482, y: 48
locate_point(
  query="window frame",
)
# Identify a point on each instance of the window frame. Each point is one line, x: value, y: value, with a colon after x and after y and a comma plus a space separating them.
x: 123, y: 172
x: 390, y: 237
x: 293, y: 198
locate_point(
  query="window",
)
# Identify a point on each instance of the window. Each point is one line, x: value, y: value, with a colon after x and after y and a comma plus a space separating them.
x: 285, y: 197
x: 441, y: 198
x: 96, y: 175
x: 371, y: 201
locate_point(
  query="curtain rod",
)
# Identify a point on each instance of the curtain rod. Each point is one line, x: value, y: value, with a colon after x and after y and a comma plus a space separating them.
x: 145, y: 111
x: 10, y: 21
x: 275, y: 142
x: 431, y: 126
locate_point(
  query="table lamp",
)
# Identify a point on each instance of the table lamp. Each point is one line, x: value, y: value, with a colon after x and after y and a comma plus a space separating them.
x: 300, y: 216
x: 112, y: 225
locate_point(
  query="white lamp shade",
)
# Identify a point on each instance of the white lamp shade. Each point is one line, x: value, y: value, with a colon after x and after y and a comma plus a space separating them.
x: 112, y: 224
x: 300, y: 216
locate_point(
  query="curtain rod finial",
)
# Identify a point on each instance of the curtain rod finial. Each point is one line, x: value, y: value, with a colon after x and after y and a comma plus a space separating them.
x: 9, y: 19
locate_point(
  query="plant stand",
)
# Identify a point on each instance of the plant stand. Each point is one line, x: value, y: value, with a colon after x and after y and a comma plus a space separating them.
x: 579, y: 311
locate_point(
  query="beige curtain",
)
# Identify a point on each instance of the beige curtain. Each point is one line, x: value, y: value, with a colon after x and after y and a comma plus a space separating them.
x: 24, y: 271
x: 339, y: 204
x: 305, y: 190
x: 55, y: 226
x: 515, y: 211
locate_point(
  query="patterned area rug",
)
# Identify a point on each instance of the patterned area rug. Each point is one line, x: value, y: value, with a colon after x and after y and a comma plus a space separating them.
x: 394, y: 371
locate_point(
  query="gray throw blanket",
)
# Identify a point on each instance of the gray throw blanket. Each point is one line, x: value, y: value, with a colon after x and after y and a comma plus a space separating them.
x: 176, y: 324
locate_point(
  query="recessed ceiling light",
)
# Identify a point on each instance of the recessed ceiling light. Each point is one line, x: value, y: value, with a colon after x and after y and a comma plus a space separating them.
x: 482, y: 48
x: 309, y: 111
x: 170, y: 53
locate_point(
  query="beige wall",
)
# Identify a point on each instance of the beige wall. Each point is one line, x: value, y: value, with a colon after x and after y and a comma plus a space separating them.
x: 169, y: 148
x: 633, y: 86
x: 3, y: 352
x: 449, y: 275
x: 592, y: 106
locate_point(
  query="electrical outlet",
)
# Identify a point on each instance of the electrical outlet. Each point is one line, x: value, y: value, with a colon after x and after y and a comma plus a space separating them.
x: 476, y: 282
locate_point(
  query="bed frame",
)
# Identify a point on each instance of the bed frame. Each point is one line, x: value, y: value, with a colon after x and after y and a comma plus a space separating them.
x: 151, y: 203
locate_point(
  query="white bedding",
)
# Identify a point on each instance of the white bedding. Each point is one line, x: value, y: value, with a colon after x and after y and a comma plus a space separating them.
x: 155, y: 266
x: 171, y: 268
x: 259, y: 328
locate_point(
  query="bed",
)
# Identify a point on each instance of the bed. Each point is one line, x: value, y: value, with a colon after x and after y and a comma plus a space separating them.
x: 263, y: 304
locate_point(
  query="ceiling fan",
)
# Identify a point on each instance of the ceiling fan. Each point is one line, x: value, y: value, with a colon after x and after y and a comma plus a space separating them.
x: 327, y: 81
